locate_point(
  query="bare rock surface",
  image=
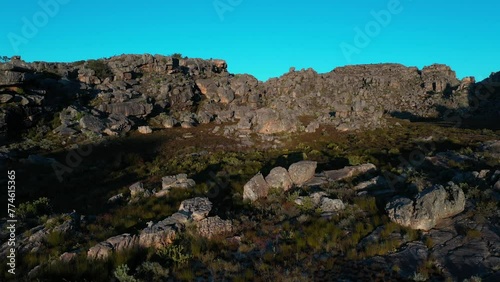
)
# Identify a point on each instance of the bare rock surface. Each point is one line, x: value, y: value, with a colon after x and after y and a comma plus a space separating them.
x: 428, y: 207
x: 255, y: 188
x: 279, y: 178
x: 196, y: 208
x: 302, y: 171
x: 349, y: 172
x: 212, y: 226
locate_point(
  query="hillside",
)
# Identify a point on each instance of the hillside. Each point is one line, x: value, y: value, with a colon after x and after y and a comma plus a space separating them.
x: 163, y: 168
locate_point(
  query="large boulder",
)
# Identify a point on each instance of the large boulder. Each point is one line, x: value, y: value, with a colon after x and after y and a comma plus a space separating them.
x: 256, y: 188
x: 302, y: 171
x: 279, y: 178
x: 428, y: 207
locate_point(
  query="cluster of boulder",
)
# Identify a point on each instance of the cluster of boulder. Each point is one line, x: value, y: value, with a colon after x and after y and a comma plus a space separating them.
x: 303, y: 173
x: 279, y: 177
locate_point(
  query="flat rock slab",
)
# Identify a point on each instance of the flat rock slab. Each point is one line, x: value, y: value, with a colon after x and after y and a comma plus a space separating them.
x: 316, y: 181
x: 349, y: 172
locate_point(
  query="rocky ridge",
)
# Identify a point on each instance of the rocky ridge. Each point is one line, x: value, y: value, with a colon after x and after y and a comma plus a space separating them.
x: 115, y: 95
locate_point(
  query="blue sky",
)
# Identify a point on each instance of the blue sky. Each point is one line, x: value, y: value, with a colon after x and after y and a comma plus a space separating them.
x: 262, y: 38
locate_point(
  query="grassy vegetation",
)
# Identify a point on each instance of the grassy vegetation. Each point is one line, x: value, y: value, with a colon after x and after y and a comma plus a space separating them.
x: 278, y: 239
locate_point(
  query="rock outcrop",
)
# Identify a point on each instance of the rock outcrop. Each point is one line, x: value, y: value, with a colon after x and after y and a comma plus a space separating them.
x: 428, y: 207
x: 145, y: 86
x: 163, y: 233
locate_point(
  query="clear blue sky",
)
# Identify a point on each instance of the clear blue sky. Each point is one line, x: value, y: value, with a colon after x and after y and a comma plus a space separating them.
x: 263, y: 38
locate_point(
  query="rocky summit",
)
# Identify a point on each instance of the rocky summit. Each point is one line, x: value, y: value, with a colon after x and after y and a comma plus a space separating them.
x: 113, y: 96
x: 168, y: 168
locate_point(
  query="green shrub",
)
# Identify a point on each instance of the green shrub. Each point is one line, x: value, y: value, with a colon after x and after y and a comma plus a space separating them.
x: 121, y: 273
x: 34, y: 209
x: 176, y: 55
x: 101, y: 69
x: 175, y: 254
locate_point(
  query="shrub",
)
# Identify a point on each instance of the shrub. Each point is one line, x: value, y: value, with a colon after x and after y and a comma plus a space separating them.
x: 175, y: 254
x: 101, y: 69
x: 420, y: 276
x: 176, y: 55
x: 4, y: 59
x: 36, y: 208
x: 121, y: 273
x: 152, y: 271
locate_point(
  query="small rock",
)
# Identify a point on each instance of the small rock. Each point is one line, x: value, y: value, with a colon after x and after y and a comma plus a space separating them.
x: 115, y: 199
x: 67, y: 257
x: 331, y: 205
x: 376, y: 181
x: 483, y: 173
x: 185, y: 124
x: 169, y: 122
x: 196, y: 208
x: 136, y: 190
x: 145, y: 129
x: 317, y: 197
x: 5, y: 98
x: 177, y: 181
x: 497, y: 186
